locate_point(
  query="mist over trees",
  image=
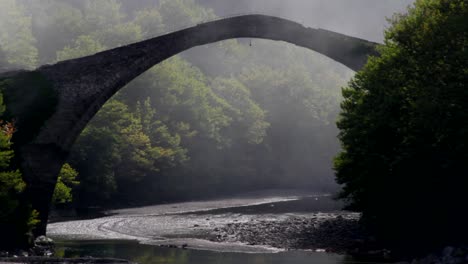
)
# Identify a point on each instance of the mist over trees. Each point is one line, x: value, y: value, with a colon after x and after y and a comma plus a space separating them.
x: 227, y: 117
x: 360, y: 18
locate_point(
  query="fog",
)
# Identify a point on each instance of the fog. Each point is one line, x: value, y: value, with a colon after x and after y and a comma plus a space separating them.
x: 227, y: 117
x: 361, y: 18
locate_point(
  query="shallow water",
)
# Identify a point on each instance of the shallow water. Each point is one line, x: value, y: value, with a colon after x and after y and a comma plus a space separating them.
x: 137, y: 233
x: 146, y: 254
x: 178, y: 222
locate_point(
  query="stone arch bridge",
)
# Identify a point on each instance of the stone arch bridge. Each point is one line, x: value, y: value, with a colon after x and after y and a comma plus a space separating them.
x: 54, y: 103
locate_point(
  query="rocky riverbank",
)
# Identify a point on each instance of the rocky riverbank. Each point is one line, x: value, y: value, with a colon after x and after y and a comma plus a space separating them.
x: 325, y: 232
x: 335, y: 232
x: 331, y: 232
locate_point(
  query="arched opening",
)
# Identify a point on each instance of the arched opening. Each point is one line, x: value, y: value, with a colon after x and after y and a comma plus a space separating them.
x: 82, y: 86
x: 197, y: 181
x: 252, y: 122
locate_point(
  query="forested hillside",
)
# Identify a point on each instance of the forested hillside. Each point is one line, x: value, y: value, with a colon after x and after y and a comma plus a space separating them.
x: 236, y: 115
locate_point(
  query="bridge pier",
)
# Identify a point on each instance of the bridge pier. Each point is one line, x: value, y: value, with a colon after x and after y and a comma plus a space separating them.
x: 41, y: 165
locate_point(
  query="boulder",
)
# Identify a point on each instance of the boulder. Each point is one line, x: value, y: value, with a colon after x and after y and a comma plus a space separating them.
x: 44, y: 241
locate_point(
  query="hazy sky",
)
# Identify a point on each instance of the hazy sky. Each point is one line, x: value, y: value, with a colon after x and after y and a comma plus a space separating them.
x: 360, y: 18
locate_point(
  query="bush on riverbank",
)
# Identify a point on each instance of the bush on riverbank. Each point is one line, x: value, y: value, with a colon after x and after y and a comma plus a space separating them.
x: 14, y: 218
x: 404, y: 130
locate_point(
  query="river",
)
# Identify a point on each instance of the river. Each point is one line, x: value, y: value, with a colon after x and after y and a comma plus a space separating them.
x: 145, y: 234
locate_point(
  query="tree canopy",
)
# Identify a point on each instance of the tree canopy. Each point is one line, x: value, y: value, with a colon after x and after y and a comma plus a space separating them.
x: 404, y: 130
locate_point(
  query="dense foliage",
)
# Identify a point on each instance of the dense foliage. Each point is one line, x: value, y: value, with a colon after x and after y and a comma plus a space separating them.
x: 221, y: 118
x: 404, y: 130
x: 15, y: 218
x: 65, y: 183
x: 16, y: 39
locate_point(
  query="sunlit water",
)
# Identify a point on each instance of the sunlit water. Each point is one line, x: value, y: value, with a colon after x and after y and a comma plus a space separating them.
x: 136, y: 233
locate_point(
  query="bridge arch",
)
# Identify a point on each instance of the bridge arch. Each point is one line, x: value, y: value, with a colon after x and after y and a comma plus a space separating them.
x: 80, y: 87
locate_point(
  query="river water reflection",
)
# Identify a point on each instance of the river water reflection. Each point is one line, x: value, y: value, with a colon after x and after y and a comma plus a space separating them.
x: 147, y: 254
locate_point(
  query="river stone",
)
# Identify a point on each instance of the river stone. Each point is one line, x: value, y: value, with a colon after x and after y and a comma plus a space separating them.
x: 447, y: 252
x: 44, y: 241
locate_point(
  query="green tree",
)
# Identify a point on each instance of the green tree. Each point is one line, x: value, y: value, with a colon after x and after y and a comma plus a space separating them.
x: 168, y: 146
x: 247, y: 114
x: 119, y: 34
x: 56, y: 24
x: 150, y: 21
x: 16, y: 219
x: 300, y: 138
x: 65, y: 183
x: 16, y: 37
x: 11, y: 182
x: 183, y: 95
x: 98, y: 181
x: 404, y: 131
x: 183, y: 13
x: 84, y: 45
x: 101, y: 15
x: 132, y: 147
